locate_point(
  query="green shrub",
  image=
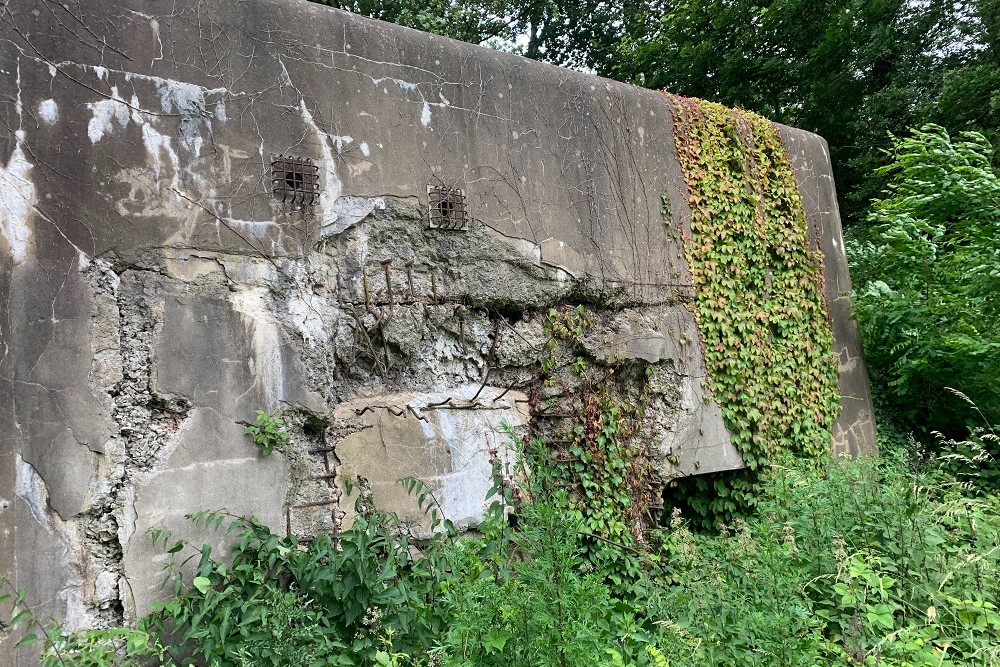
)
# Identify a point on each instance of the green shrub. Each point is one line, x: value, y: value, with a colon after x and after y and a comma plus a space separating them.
x: 892, y: 562
x: 113, y: 647
x: 926, y: 278
x: 539, y: 610
x: 331, y: 601
x: 864, y: 562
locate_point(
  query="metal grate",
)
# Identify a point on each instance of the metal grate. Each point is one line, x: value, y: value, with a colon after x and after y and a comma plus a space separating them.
x: 295, y: 180
x: 446, y: 208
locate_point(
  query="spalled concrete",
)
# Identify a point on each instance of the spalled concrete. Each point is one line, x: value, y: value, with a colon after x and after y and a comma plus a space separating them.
x: 448, y: 434
x: 158, y: 292
x: 854, y: 430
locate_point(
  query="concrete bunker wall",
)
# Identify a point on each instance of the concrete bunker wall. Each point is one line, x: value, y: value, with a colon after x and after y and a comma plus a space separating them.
x: 158, y: 291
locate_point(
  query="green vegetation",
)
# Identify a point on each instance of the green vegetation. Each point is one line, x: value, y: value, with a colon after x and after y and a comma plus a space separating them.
x: 759, y: 299
x: 927, y: 276
x: 594, y: 467
x: 877, y: 562
x: 268, y: 433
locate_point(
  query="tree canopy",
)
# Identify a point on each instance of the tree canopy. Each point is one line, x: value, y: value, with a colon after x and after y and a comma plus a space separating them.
x: 928, y: 277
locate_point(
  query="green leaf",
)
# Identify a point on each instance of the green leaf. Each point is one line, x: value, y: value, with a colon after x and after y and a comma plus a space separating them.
x: 202, y: 584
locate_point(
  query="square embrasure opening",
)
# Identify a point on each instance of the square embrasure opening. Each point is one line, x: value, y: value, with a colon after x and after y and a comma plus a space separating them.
x: 295, y: 180
x: 446, y: 208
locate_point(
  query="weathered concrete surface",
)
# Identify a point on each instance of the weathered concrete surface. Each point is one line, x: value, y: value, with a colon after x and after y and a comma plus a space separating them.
x: 157, y: 293
x: 449, y: 434
x: 195, y: 477
x: 689, y: 429
x: 854, y: 430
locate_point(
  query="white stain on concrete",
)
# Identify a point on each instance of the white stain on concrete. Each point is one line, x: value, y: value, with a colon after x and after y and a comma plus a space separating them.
x: 329, y: 194
x: 104, y: 113
x: 286, y: 79
x: 154, y: 26
x: 365, y: 150
x: 255, y: 310
x: 409, y: 86
x: 102, y: 73
x: 187, y: 100
x: 18, y: 196
x: 253, y: 227
x: 249, y: 271
x: 305, y: 312
x: 17, y: 201
x: 158, y: 148
x: 402, y: 83
x: 341, y: 141
x: 176, y: 97
x: 48, y: 111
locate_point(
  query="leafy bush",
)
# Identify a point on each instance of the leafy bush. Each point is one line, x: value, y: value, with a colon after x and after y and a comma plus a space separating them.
x: 927, y: 277
x: 860, y: 563
x: 538, y: 610
x: 332, y: 601
x: 114, y: 647
x: 889, y: 562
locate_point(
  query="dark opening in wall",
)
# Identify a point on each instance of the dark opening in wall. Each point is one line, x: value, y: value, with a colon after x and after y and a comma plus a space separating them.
x: 446, y: 208
x: 295, y: 180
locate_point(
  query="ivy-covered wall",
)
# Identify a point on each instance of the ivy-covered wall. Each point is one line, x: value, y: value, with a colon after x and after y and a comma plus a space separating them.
x: 759, y: 293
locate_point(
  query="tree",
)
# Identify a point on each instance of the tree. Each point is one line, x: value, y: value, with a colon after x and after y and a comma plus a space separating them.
x: 562, y: 32
x: 851, y: 70
x: 476, y: 21
x: 970, y: 92
x: 928, y: 278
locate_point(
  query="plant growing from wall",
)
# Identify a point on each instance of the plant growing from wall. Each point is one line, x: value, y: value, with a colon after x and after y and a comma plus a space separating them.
x: 587, y: 415
x: 269, y: 432
x: 759, y: 303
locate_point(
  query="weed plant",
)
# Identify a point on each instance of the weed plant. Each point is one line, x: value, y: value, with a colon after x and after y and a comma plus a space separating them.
x: 891, y: 561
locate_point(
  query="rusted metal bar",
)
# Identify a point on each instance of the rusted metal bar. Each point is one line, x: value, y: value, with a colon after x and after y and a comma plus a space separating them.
x: 386, y: 263
x: 409, y: 278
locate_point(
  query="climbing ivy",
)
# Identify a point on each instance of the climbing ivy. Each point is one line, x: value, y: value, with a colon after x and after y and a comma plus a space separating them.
x: 759, y: 302
x: 587, y: 453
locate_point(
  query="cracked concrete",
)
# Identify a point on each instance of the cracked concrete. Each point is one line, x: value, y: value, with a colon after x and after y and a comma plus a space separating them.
x: 157, y: 293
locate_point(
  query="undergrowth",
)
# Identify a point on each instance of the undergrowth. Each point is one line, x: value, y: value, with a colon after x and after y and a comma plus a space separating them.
x: 891, y: 561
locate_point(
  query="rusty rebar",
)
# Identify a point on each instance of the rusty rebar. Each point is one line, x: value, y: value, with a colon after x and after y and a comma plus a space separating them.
x: 409, y: 278
x: 388, y: 281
